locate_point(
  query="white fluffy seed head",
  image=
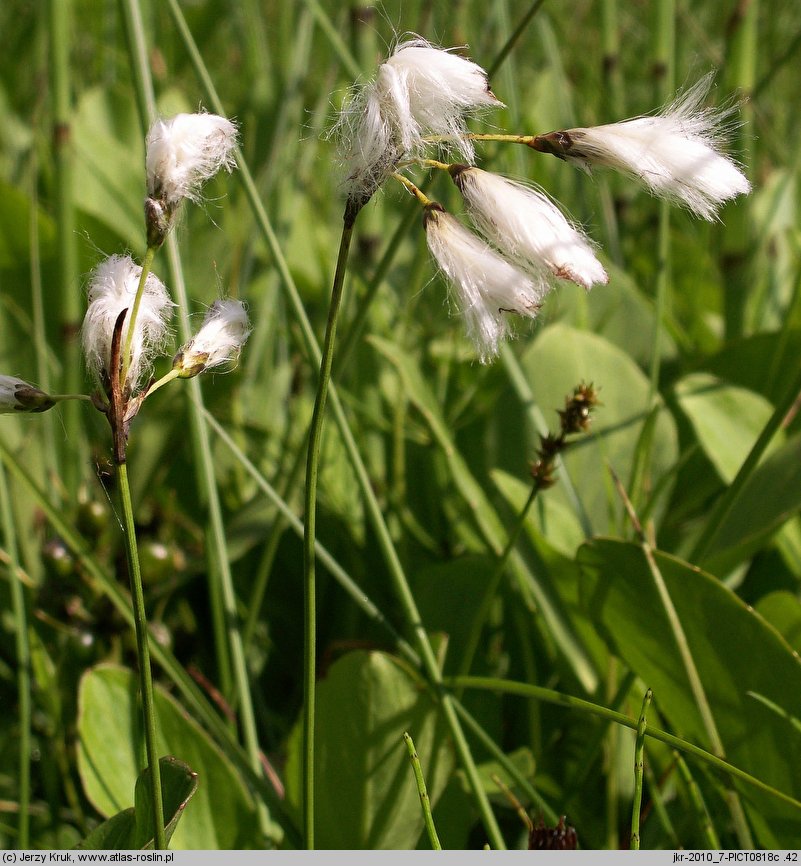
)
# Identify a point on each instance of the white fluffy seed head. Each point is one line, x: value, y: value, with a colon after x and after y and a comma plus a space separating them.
x: 219, y: 341
x: 184, y: 151
x: 441, y: 89
x: 486, y: 286
x: 17, y: 395
x: 675, y: 153
x: 528, y: 227
x: 112, y: 289
x: 420, y: 90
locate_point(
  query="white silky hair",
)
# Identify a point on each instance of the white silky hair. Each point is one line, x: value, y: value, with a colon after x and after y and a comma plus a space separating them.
x: 419, y: 91
x: 675, y: 153
x: 486, y: 286
x: 112, y: 289
x: 185, y: 151
x: 220, y: 338
x: 529, y: 228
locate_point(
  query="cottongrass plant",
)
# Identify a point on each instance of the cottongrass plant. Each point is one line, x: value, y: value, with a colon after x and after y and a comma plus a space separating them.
x: 126, y: 329
x: 416, y: 108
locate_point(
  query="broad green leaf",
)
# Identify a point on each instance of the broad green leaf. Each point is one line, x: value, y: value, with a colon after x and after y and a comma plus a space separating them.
x: 735, y: 652
x: 758, y: 362
x: 551, y: 538
x: 549, y: 517
x: 622, y: 315
x: 726, y: 419
x: 770, y: 497
x: 116, y: 833
x: 365, y: 795
x: 560, y: 359
x: 133, y: 827
x: 221, y: 815
x: 782, y: 610
x: 179, y: 785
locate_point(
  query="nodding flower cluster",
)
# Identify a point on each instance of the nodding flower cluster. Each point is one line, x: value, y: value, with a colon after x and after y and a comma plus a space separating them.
x: 183, y: 152
x: 420, y: 99
x: 126, y: 326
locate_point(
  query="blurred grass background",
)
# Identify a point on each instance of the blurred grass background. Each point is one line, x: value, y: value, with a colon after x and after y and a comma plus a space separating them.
x: 446, y: 442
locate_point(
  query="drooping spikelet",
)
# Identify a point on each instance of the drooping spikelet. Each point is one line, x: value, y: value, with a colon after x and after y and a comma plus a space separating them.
x: 219, y: 341
x: 487, y: 286
x: 112, y: 289
x: 675, y: 153
x: 527, y: 226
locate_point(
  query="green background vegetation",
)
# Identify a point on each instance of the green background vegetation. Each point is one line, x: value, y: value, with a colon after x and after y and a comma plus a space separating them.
x: 445, y: 441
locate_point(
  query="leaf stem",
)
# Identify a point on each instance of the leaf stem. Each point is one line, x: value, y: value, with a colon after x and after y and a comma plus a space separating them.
x: 143, y: 653
x: 550, y: 696
x: 147, y: 263
x: 639, y: 750
x: 309, y: 528
x: 422, y: 792
x: 23, y: 650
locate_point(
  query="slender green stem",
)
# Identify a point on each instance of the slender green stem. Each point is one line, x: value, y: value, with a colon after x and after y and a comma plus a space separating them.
x: 552, y: 697
x: 312, y: 467
x: 147, y: 263
x: 491, y: 587
x: 60, y: 398
x: 660, y: 807
x: 664, y: 63
x: 742, y: 55
x: 143, y: 653
x: 330, y: 30
x: 528, y: 140
x: 164, y: 380
x: 595, y: 744
x: 639, y: 751
x: 498, y: 755
x: 338, y: 573
x: 522, y: 388
x: 422, y: 792
x: 424, y: 200
x: 512, y: 40
x: 690, y: 668
x: 23, y: 650
x: 50, y: 452
x: 697, y: 799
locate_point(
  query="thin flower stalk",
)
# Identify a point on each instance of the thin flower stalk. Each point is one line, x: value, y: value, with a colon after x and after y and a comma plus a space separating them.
x: 309, y: 528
